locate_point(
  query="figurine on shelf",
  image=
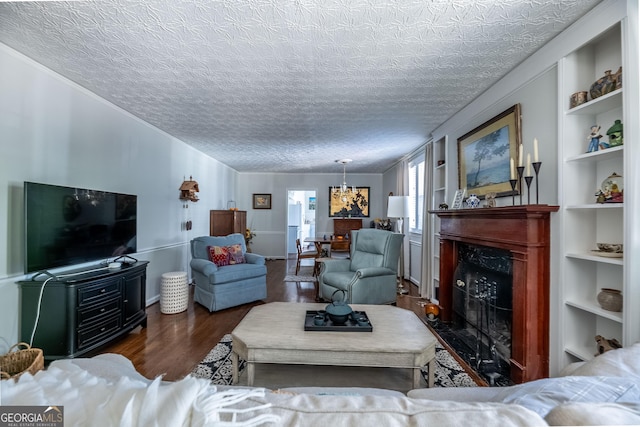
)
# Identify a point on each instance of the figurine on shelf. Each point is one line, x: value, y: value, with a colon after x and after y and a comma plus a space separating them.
x: 594, y: 139
x: 609, y: 196
x: 605, y: 344
x: 490, y: 199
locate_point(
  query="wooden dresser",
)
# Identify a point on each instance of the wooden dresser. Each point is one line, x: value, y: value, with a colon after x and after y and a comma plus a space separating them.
x: 342, y: 226
x: 225, y: 222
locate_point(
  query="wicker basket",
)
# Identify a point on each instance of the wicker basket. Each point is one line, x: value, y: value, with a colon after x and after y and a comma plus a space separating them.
x: 17, y: 361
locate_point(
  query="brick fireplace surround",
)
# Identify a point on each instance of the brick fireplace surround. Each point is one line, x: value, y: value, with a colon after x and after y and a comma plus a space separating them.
x: 525, y: 232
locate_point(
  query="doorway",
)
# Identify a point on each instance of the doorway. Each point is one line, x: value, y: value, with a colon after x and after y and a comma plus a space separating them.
x: 301, y: 218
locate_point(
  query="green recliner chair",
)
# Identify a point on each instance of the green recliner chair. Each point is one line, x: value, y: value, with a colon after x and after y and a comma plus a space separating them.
x: 369, y: 276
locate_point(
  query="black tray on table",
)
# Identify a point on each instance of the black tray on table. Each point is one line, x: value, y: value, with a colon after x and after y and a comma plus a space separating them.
x: 351, y: 325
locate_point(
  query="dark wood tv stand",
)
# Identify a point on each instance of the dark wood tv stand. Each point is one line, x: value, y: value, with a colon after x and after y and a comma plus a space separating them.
x: 84, y: 311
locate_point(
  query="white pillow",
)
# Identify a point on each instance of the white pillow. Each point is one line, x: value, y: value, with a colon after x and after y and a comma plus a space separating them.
x: 623, y: 362
x: 542, y: 396
x: 599, y: 414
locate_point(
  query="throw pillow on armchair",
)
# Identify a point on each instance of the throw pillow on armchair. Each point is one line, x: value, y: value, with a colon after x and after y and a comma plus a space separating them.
x: 235, y: 254
x: 219, y: 255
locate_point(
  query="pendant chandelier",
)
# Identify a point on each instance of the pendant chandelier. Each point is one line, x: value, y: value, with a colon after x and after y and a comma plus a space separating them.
x: 343, y: 189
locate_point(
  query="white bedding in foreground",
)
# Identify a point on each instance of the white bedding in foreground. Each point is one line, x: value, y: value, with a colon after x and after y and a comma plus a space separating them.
x: 95, y: 401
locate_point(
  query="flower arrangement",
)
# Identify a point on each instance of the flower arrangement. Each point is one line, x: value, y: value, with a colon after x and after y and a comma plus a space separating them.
x: 383, y: 223
x: 248, y: 235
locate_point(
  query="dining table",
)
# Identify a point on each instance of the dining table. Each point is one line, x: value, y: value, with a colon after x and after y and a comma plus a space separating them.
x: 318, y: 242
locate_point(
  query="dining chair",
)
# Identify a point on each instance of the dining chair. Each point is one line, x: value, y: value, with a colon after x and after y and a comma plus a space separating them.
x: 304, y: 254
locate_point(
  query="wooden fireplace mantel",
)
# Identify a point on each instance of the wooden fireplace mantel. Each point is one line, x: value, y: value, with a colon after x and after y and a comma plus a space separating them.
x: 525, y: 232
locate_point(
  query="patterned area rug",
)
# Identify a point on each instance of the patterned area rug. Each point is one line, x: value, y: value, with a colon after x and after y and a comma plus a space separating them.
x: 216, y: 366
x: 304, y: 275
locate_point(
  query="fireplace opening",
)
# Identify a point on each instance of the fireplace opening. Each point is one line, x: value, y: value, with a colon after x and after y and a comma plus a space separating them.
x: 481, y: 327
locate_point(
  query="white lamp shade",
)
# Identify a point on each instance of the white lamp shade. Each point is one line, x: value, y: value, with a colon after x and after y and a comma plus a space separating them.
x: 398, y: 207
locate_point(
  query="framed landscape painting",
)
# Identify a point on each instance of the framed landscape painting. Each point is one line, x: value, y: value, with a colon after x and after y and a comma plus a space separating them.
x: 349, y: 205
x: 484, y: 155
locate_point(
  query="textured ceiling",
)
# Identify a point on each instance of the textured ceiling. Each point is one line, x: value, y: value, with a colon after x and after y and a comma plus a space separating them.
x: 288, y: 86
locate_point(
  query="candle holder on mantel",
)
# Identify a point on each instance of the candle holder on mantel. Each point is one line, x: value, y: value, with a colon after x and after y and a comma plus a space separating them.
x: 513, y: 183
x: 520, y: 172
x: 528, y: 180
x: 536, y: 168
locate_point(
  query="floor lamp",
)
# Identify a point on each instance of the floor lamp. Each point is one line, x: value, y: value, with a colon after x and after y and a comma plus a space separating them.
x: 398, y: 208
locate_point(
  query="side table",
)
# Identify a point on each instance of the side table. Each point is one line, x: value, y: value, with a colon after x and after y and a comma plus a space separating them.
x: 317, y: 265
x: 174, y: 292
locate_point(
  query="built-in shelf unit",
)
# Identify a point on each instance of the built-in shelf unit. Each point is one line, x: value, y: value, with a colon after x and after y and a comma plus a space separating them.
x: 583, y: 221
x: 439, y: 190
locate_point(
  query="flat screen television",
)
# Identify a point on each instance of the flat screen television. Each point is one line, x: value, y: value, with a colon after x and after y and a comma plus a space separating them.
x: 66, y: 226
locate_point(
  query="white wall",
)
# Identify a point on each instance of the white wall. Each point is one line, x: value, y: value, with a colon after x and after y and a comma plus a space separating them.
x: 538, y: 107
x: 55, y: 132
x: 270, y: 225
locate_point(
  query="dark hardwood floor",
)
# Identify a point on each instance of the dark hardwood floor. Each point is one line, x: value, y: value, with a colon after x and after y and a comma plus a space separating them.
x: 173, y: 344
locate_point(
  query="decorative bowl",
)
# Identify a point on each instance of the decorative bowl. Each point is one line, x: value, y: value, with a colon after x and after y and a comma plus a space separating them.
x: 578, y: 98
x: 610, y: 247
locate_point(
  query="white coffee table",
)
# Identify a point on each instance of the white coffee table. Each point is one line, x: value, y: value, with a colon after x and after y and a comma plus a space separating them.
x: 274, y: 333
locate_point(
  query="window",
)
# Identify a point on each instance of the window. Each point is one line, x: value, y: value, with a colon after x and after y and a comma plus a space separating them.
x: 416, y: 194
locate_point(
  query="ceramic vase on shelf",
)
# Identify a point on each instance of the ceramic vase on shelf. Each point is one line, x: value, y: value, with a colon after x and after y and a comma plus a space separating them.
x: 610, y: 299
x: 473, y: 201
x: 603, y: 85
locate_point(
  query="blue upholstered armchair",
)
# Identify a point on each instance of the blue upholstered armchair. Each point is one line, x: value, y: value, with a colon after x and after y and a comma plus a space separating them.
x: 369, y: 277
x: 222, y: 287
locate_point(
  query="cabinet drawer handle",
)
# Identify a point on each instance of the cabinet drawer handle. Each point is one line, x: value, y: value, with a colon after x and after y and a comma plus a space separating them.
x: 102, y: 330
x: 103, y: 290
x: 102, y: 310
